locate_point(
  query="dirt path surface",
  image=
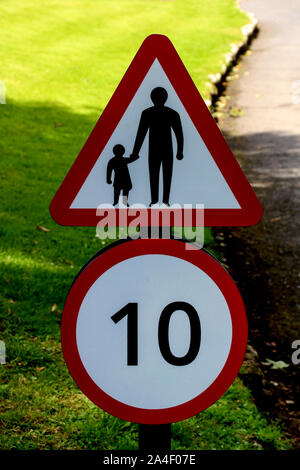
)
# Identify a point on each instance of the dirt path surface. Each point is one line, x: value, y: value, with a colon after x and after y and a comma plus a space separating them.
x: 261, y: 123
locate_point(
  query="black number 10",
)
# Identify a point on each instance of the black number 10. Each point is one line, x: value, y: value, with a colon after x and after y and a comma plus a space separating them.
x: 131, y: 311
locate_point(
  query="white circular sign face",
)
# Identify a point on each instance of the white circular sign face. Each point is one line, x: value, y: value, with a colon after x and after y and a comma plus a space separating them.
x: 153, y: 282
x: 151, y: 331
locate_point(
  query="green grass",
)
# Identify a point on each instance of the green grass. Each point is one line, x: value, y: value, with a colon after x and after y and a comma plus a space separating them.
x: 61, y: 61
x: 42, y: 409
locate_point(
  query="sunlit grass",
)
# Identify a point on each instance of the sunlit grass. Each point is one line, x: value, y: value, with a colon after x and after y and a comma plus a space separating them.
x: 75, y: 52
x: 18, y: 259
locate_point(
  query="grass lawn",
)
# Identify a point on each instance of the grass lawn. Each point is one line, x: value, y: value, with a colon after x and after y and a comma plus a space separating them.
x: 61, y: 61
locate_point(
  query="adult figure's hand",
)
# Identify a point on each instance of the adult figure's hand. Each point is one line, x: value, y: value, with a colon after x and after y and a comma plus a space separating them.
x: 179, y: 156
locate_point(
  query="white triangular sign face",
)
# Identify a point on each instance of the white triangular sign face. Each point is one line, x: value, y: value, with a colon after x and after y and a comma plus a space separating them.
x: 195, y: 180
x: 208, y: 174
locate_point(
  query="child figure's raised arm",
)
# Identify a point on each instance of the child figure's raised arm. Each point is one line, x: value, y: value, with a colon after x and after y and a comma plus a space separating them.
x: 132, y: 158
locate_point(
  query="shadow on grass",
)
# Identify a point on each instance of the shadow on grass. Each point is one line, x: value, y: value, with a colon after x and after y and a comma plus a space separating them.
x: 39, y: 142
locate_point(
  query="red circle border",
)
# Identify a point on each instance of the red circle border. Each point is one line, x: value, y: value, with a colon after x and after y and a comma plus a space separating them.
x: 117, y: 253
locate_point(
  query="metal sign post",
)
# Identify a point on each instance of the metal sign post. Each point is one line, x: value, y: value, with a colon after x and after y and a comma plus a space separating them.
x: 154, y: 437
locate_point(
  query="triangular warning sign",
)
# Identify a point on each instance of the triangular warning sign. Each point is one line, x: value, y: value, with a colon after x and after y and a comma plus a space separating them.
x: 156, y: 142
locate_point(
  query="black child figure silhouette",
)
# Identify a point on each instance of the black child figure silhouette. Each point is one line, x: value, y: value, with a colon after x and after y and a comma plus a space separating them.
x: 159, y: 120
x: 122, y: 180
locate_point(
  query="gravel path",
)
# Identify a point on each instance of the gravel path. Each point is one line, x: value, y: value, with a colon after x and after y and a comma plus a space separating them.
x: 261, y: 123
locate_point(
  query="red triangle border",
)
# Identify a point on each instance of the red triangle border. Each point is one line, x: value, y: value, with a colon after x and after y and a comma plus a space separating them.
x: 158, y: 47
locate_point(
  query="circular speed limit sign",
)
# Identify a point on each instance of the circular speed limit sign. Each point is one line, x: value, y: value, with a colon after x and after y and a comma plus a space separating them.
x: 152, y: 332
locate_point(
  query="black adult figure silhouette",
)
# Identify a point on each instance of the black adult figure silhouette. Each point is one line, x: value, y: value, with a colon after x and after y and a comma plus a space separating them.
x: 118, y: 164
x: 159, y: 120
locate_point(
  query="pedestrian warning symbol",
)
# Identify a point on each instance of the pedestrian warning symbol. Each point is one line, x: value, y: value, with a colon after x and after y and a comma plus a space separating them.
x: 156, y: 145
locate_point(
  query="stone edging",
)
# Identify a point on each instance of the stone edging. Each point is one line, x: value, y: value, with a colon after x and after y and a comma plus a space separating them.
x: 216, y: 82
